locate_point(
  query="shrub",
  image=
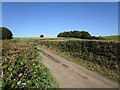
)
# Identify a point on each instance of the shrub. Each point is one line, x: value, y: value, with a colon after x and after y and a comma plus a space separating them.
x: 94, y: 37
x: 6, y: 33
x: 41, y: 35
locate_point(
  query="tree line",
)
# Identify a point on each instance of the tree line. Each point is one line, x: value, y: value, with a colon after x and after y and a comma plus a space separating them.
x: 5, y: 33
x: 77, y: 34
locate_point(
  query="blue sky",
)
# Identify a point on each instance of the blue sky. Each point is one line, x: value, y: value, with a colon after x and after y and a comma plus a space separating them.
x: 30, y: 19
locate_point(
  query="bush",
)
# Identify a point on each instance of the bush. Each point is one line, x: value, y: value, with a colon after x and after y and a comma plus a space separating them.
x: 41, y: 35
x: 6, y: 33
x: 94, y: 37
x: 75, y: 34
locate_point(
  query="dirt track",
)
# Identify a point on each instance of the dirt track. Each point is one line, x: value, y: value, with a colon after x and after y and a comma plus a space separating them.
x: 72, y: 75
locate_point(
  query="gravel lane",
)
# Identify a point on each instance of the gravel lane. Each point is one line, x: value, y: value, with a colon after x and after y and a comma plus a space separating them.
x: 72, y: 75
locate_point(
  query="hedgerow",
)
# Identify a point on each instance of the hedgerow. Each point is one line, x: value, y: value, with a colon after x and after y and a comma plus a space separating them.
x: 23, y: 68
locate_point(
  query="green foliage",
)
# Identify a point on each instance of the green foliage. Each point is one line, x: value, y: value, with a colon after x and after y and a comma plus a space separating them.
x: 23, y: 68
x: 75, y: 34
x: 94, y: 37
x: 6, y: 33
x: 104, y: 55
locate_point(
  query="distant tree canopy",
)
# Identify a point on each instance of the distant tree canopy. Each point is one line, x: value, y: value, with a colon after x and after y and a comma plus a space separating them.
x: 75, y: 34
x: 41, y: 35
x: 5, y: 33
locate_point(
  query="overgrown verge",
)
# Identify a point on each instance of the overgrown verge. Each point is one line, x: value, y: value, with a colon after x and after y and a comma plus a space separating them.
x: 102, y: 57
x: 23, y: 68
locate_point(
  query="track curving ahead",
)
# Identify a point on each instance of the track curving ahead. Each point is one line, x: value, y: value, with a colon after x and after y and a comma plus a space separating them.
x: 72, y: 75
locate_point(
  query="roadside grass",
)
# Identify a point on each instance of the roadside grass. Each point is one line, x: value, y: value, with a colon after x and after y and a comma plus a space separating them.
x: 87, y: 65
x: 23, y: 68
x: 117, y: 37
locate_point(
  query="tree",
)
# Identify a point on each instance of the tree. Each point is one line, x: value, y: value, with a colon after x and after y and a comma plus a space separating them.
x: 94, y: 37
x: 41, y: 35
x: 75, y: 34
x: 85, y: 35
x: 5, y: 33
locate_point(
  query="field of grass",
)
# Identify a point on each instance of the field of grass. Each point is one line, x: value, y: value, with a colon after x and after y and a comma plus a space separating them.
x: 62, y: 39
x: 23, y: 67
x: 112, y: 37
x: 47, y: 38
